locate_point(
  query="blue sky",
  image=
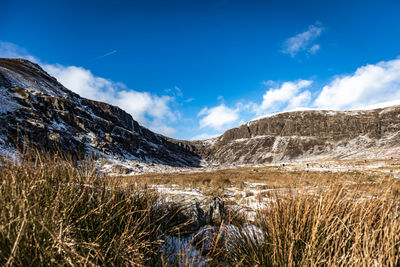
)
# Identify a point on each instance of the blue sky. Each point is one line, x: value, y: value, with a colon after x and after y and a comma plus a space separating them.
x: 192, y: 69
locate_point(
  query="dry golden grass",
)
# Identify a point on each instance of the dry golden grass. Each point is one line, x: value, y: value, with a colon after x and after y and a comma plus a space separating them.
x: 214, y: 182
x: 333, y: 227
x: 53, y: 212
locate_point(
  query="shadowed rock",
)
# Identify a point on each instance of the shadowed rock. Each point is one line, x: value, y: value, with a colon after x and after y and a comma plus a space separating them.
x: 38, y: 109
x: 209, y: 214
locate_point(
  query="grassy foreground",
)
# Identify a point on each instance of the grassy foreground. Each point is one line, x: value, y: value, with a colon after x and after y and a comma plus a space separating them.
x: 55, y: 212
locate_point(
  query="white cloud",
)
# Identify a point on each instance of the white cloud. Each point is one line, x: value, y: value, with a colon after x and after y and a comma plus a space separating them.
x: 381, y: 105
x: 11, y: 50
x: 370, y: 84
x: 313, y: 49
x: 176, y: 91
x: 301, y: 100
x: 303, y: 41
x: 287, y: 93
x: 152, y: 111
x: 189, y: 100
x: 367, y: 86
x: 270, y: 83
x: 81, y: 81
x: 218, y: 117
x: 149, y: 110
x: 288, y: 96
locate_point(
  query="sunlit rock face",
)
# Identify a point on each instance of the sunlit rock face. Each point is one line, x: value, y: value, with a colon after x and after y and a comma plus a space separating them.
x: 308, y: 134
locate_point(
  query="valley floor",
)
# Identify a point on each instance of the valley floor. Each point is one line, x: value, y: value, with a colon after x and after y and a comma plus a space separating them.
x: 304, y: 214
x: 250, y: 190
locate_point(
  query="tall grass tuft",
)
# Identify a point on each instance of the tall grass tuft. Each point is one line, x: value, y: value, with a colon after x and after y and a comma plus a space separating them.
x: 334, y: 227
x: 54, y: 212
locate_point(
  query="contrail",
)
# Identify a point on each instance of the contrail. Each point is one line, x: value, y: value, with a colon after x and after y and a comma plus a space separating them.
x: 108, y: 54
x: 102, y: 56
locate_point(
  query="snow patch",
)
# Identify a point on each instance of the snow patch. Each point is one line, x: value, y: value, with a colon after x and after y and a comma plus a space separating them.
x: 7, y: 104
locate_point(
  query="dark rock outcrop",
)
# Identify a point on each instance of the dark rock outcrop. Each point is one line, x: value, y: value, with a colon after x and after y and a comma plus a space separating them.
x: 200, y: 212
x: 39, y: 110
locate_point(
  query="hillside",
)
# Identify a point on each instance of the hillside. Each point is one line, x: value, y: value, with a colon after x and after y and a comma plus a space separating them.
x: 36, y: 108
x: 311, y: 134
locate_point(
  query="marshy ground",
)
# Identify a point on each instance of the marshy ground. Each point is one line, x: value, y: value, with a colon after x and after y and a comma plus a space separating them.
x: 249, y: 188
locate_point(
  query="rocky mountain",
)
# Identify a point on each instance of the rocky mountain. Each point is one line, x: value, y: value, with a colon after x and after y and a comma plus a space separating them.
x: 311, y: 134
x: 35, y: 107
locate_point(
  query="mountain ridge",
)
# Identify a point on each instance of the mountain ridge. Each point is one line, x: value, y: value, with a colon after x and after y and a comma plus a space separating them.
x: 292, y: 135
x: 50, y: 115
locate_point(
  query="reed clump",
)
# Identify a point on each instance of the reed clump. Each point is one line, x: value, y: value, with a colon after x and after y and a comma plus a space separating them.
x: 59, y: 211
x: 333, y: 227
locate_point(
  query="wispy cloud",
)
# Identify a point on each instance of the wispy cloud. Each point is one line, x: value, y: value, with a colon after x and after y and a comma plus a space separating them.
x: 10, y: 50
x: 313, y: 49
x: 189, y: 100
x: 175, y: 91
x: 303, y: 41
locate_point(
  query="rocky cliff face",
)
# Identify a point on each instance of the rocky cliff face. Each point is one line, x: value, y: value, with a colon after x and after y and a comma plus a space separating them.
x: 34, y: 107
x: 308, y: 134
